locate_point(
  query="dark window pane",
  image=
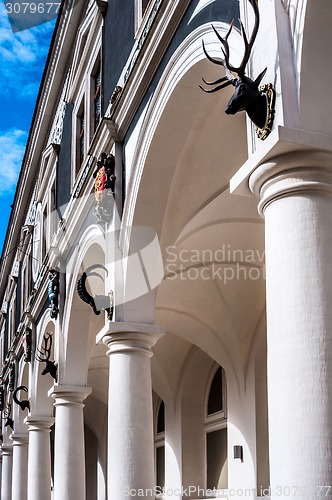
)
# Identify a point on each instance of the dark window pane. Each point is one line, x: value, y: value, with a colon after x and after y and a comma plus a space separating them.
x: 144, y: 5
x: 97, y: 98
x: 160, y: 466
x: 216, y: 459
x: 215, y: 395
x: 161, y: 418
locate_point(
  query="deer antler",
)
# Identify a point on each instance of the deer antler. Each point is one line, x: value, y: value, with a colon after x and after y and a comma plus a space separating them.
x: 7, y: 414
x: 229, y: 79
x: 7, y: 410
x: 240, y: 70
x: 247, y: 96
x: 44, y: 353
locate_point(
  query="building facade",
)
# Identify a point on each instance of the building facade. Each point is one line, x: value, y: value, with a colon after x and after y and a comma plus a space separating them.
x: 165, y: 282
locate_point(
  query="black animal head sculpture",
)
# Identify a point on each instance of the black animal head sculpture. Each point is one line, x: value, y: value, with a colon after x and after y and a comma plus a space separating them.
x: 43, y: 356
x: 247, y: 96
x: 99, y: 301
x: 53, y: 292
x: 12, y: 371
x: 7, y: 414
x: 2, y: 398
x: 27, y: 344
x: 25, y: 404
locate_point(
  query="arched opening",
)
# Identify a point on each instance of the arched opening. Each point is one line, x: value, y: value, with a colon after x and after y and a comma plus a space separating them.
x: 91, y: 463
x: 216, y: 433
x: 44, y: 349
x: 159, y: 442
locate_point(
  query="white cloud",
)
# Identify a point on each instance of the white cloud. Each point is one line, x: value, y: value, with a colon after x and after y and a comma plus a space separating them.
x: 20, y: 53
x: 12, y: 146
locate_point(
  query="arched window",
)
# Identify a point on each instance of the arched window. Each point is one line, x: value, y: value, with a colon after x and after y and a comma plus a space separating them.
x: 216, y: 432
x: 141, y: 7
x: 160, y: 446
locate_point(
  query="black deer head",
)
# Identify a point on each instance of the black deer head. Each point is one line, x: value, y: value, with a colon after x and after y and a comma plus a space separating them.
x: 43, y: 356
x: 247, y: 96
x: 25, y: 404
x: 7, y: 414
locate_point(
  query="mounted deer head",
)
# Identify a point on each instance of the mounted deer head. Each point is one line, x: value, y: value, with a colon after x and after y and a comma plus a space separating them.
x: 7, y: 414
x: 247, y: 96
x: 43, y: 356
x: 25, y: 404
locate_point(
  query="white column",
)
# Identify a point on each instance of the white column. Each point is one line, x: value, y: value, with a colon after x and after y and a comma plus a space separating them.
x: 296, y: 201
x: 39, y: 457
x: 20, y: 466
x: 130, y: 417
x: 0, y: 471
x: 69, y: 450
x: 6, y: 476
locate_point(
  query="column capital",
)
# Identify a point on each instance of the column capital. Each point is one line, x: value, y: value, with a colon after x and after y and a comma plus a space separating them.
x: 127, y: 336
x: 21, y: 439
x: 36, y: 423
x: 7, y: 450
x: 291, y: 173
x: 69, y: 394
x: 281, y: 141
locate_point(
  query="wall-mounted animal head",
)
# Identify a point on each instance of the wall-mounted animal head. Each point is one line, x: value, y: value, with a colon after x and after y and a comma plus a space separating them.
x: 25, y: 404
x: 7, y: 414
x: 27, y: 344
x: 247, y: 96
x: 99, y: 301
x: 2, y: 398
x: 53, y: 292
x: 12, y: 372
x: 43, y: 356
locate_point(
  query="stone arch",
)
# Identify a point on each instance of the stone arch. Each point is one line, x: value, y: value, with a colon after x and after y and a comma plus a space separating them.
x: 80, y: 325
x: 195, y: 383
x: 315, y: 70
x: 172, y: 117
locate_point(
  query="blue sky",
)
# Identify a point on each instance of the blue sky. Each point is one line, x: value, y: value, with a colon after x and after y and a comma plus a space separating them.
x: 22, y: 61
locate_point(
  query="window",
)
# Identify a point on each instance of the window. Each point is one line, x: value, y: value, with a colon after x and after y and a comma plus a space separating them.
x: 215, y: 401
x: 216, y: 433
x: 216, y: 459
x: 96, y: 99
x: 144, y: 5
x: 80, y: 150
x: 160, y: 447
x: 53, y: 212
x: 140, y: 9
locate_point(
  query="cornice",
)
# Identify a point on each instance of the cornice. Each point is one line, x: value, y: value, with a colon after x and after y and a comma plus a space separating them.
x: 54, y: 74
x: 144, y: 61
